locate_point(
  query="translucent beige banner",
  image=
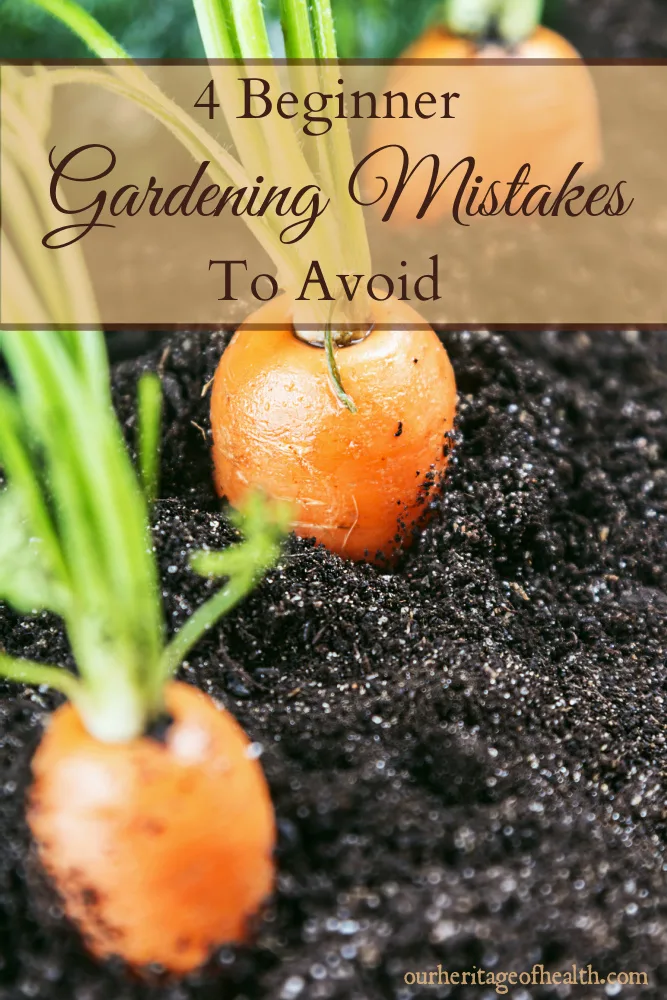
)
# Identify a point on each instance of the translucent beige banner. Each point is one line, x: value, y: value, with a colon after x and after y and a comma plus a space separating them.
x: 498, y: 193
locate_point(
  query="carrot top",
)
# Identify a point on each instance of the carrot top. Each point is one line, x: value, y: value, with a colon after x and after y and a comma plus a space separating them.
x: 237, y: 30
x: 514, y: 20
x: 75, y: 537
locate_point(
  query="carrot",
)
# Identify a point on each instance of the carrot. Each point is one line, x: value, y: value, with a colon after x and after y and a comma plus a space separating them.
x: 161, y: 848
x: 149, y: 811
x: 546, y: 116
x: 361, y: 486
x: 359, y: 482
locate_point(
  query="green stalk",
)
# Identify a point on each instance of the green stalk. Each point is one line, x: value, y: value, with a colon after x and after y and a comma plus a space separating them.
x: 114, y: 614
x: 74, y: 536
x: 36, y: 674
x: 341, y: 157
x: 334, y: 373
x: 337, y: 238
x: 84, y: 25
x: 20, y: 471
x: 24, y: 223
x: 223, y: 170
x: 149, y: 417
x: 291, y: 167
x: 300, y: 46
x: 24, y: 146
x: 263, y: 525
x: 250, y: 27
x: 111, y: 607
x: 469, y: 17
x: 96, y: 467
x: 295, y: 24
x: 216, y: 33
x: 141, y: 89
x: 324, y: 29
x: 21, y: 303
x: 203, y: 620
x: 220, y: 42
x: 518, y: 19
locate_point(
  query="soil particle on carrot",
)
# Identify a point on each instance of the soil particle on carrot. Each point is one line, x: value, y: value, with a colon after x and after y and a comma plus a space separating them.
x: 466, y: 756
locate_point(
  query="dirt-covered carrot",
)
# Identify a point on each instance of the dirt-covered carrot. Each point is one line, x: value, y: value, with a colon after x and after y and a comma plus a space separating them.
x: 149, y: 809
x: 545, y: 115
x: 161, y: 846
x: 360, y: 476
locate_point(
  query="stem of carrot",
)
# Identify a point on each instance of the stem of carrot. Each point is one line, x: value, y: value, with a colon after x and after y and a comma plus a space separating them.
x: 85, y: 26
x: 334, y: 373
x: 217, y: 34
x: 149, y: 416
x: 295, y: 22
x: 469, y: 17
x: 292, y: 167
x: 352, y: 224
x: 204, y: 618
x: 24, y: 222
x: 518, y: 19
x: 244, y: 563
x: 137, y: 86
x: 27, y: 166
x: 254, y: 44
x: 28, y: 672
x: 250, y: 29
x: 300, y: 47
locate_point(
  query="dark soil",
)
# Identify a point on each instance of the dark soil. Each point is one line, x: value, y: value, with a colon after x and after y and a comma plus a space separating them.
x: 614, y: 29
x: 468, y: 757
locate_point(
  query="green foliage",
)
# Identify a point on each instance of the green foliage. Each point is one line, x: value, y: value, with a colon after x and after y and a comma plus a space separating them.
x: 72, y: 492
x: 150, y: 29
x: 370, y: 28
x: 149, y: 418
x: 28, y: 578
x: 263, y: 525
x: 364, y: 28
x: 74, y: 531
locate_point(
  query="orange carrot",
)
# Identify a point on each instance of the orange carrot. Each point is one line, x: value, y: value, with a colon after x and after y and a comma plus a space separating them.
x: 150, y: 811
x: 359, y: 481
x: 161, y: 849
x: 546, y: 116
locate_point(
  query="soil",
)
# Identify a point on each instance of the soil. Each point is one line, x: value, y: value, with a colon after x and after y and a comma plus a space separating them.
x: 614, y: 29
x: 468, y: 756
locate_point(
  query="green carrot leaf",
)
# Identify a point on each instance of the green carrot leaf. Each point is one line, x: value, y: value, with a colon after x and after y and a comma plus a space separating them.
x: 28, y: 672
x: 80, y: 544
x: 263, y: 524
x: 518, y: 19
x: 84, y: 25
x: 28, y: 581
x: 469, y: 17
x: 149, y: 417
